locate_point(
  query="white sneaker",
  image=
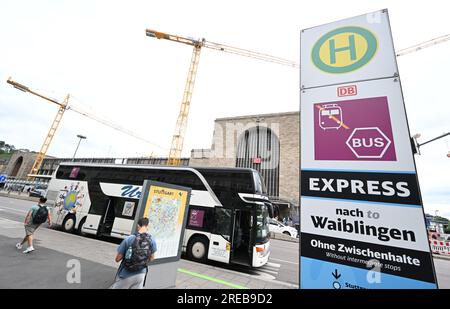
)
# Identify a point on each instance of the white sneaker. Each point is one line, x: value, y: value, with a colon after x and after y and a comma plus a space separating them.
x: 19, y: 246
x: 28, y: 250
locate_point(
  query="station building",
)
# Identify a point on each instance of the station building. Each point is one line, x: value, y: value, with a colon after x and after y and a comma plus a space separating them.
x: 268, y: 143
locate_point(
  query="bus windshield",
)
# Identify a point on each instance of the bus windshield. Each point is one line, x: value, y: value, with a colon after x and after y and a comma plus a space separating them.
x: 262, y: 224
x: 260, y: 188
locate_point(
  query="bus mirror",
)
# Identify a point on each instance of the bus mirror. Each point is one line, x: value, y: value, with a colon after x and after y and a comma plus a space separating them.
x: 272, y: 210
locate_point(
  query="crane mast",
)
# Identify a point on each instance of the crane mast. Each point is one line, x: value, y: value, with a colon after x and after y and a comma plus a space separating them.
x: 178, y: 138
x: 48, y: 139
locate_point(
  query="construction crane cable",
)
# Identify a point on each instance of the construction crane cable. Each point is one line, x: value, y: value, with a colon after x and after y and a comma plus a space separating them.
x: 111, y: 125
x: 423, y: 45
x: 249, y: 53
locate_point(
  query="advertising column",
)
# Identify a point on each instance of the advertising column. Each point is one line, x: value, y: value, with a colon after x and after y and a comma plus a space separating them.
x: 362, y: 220
x: 166, y: 207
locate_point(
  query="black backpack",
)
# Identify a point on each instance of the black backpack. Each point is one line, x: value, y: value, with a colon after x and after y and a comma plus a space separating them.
x: 141, y: 250
x: 41, y: 215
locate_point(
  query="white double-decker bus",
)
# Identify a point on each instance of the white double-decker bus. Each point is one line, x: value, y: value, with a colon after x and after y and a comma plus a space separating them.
x: 228, y: 212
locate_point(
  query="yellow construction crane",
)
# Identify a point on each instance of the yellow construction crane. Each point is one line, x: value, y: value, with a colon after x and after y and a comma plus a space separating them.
x: 180, y: 129
x: 51, y: 133
x: 63, y: 106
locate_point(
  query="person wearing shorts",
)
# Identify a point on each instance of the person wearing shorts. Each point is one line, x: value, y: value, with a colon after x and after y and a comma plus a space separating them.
x: 31, y: 227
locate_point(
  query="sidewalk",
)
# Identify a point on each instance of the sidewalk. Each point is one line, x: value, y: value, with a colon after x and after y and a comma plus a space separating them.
x: 16, y: 195
x: 441, y: 256
x: 56, y: 252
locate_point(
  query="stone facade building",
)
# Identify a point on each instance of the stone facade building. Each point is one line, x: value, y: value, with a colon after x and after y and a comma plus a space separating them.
x: 20, y: 164
x: 268, y: 143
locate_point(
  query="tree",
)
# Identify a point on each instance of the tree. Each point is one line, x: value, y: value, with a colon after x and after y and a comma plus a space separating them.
x: 447, y: 229
x: 6, y: 148
x: 440, y: 219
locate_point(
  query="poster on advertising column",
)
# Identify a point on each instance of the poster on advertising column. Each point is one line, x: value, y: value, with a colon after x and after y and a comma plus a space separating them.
x: 362, y: 220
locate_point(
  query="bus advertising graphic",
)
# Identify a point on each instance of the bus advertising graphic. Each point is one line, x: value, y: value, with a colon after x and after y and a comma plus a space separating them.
x: 353, y: 130
x: 71, y: 198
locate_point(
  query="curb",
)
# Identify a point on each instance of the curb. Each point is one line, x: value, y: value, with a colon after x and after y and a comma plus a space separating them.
x: 441, y: 257
x: 283, y: 237
x: 19, y: 197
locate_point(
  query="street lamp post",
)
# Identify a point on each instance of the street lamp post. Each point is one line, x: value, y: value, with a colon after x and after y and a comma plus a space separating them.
x: 80, y: 137
x: 416, y: 145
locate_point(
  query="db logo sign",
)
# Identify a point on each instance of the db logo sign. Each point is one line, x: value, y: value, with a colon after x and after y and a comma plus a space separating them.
x: 344, y: 50
x: 347, y: 91
x: 368, y: 143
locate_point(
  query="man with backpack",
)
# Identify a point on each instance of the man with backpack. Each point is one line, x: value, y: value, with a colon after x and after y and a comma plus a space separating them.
x: 37, y: 215
x: 135, y: 253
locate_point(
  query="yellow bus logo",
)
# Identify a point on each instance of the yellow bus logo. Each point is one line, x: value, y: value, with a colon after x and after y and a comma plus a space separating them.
x: 344, y: 50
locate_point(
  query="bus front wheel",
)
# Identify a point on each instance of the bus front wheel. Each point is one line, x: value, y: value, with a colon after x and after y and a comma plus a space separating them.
x: 198, y: 248
x: 68, y: 224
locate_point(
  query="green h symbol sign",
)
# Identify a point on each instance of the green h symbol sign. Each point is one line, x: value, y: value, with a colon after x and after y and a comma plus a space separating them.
x: 351, y: 48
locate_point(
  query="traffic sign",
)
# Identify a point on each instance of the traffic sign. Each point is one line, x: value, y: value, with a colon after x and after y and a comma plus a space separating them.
x: 362, y: 220
x: 3, y: 178
x: 368, y: 143
x: 335, y: 135
x: 354, y: 49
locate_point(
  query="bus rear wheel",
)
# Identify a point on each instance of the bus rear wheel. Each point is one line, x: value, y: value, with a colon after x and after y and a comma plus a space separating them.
x: 68, y: 224
x: 198, y: 248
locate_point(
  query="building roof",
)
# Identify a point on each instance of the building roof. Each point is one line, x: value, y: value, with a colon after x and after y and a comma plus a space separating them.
x: 260, y: 116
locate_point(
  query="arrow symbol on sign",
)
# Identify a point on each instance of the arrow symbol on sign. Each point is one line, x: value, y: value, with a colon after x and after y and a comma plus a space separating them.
x: 336, y: 275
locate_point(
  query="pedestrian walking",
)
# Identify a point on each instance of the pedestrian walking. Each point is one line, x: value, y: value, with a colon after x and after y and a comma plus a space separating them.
x: 135, y: 253
x: 37, y: 215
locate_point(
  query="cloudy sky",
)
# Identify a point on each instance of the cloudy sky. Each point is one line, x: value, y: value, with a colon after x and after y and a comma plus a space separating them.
x: 98, y: 52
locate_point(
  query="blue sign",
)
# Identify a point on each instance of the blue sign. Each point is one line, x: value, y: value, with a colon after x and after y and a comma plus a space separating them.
x: 3, y: 178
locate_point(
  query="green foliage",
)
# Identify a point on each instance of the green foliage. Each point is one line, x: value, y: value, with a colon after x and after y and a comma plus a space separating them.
x: 440, y: 219
x: 6, y: 148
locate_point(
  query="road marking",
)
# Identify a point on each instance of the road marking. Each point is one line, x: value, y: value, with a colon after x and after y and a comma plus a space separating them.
x: 273, y: 265
x: 269, y: 271
x: 194, y: 274
x: 15, y: 209
x: 284, y: 261
x: 10, y: 224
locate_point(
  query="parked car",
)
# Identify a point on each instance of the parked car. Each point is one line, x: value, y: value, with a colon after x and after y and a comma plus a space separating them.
x: 37, y: 192
x: 278, y: 227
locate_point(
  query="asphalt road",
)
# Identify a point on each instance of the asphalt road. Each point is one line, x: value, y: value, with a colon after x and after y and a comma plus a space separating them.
x: 282, y: 266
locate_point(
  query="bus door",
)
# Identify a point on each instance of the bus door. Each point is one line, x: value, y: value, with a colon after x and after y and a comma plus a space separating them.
x: 125, y: 211
x: 98, y: 216
x: 242, y: 237
x: 107, y: 221
x: 220, y: 242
